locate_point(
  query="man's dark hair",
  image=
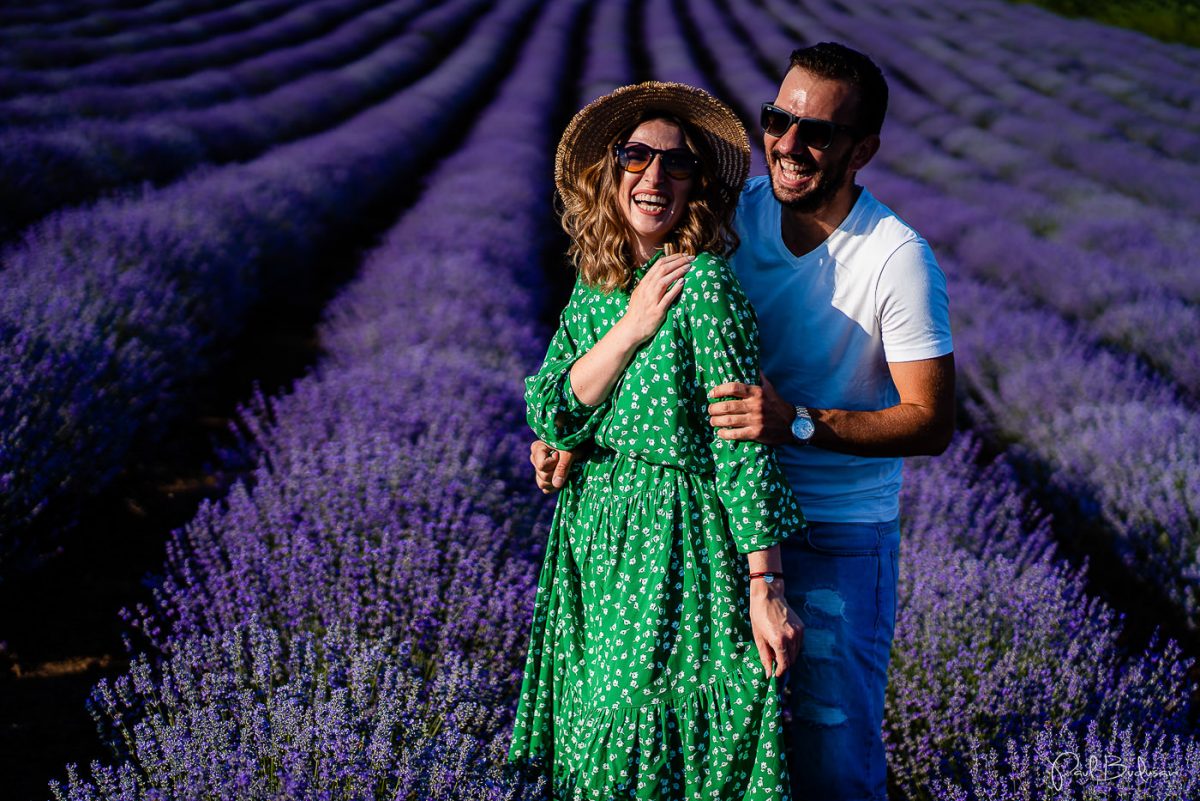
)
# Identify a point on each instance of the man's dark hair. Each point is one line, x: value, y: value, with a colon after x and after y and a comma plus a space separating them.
x: 837, y: 62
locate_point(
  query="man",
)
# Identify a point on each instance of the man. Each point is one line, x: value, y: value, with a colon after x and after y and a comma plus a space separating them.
x: 858, y: 373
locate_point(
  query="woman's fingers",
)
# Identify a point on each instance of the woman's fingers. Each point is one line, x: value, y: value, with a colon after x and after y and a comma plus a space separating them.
x: 783, y: 660
x: 666, y: 265
x: 779, y: 639
x: 672, y: 292
x: 670, y: 283
x: 678, y: 269
x: 545, y: 460
x: 666, y: 278
x: 654, y: 293
x: 766, y: 656
x: 670, y: 262
x: 659, y: 292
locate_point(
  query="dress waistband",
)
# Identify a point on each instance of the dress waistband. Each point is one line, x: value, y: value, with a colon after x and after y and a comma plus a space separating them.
x: 625, y: 474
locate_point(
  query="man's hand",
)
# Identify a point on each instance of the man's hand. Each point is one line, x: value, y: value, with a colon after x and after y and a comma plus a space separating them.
x: 758, y: 414
x: 550, y: 466
x: 922, y: 423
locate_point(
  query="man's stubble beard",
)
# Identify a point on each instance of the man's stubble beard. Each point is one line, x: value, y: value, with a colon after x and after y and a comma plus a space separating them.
x: 828, y: 185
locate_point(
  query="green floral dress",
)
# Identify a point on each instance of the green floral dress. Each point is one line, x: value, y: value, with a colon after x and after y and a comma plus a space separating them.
x: 642, y: 679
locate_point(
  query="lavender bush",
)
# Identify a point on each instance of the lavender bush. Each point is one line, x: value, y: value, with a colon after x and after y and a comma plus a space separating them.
x: 205, y: 87
x: 167, y: 62
x: 99, y: 17
x: 378, y: 436
x: 1115, y: 443
x: 1061, y: 764
x: 996, y: 638
x: 606, y: 67
x: 391, y: 523
x: 117, y: 309
x: 984, y: 97
x: 247, y: 714
x: 49, y: 169
x: 1105, y: 295
x: 32, y: 52
x: 416, y: 414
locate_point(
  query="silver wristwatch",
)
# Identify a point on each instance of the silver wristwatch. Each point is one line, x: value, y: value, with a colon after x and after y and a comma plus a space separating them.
x: 802, y: 426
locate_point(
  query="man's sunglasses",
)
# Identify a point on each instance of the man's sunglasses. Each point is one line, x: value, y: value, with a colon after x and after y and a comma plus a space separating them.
x: 811, y: 131
x: 679, y: 163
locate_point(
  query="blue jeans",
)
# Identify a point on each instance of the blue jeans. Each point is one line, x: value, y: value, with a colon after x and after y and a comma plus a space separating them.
x: 840, y: 578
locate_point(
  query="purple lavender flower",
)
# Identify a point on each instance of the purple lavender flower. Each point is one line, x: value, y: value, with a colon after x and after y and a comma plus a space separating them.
x: 46, y: 62
x: 123, y: 305
x: 252, y: 76
x: 245, y: 714
x: 1058, y: 763
x: 45, y: 169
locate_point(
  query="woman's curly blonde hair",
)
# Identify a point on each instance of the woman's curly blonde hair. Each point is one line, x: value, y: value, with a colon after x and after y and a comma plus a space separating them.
x: 601, y: 237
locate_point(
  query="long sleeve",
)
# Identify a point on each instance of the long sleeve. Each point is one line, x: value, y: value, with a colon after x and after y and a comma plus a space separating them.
x: 553, y: 411
x: 724, y: 332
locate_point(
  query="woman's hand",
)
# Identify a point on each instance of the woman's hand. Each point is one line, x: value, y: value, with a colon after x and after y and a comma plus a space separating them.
x: 596, y: 372
x: 778, y: 631
x: 653, y: 295
x: 550, y: 466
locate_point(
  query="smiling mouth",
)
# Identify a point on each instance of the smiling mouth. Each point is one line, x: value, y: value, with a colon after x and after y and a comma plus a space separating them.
x: 793, y: 172
x: 651, y: 204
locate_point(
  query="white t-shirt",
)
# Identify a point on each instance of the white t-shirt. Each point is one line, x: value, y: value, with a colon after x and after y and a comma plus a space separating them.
x: 830, y: 321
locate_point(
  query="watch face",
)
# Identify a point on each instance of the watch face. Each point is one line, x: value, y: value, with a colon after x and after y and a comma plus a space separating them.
x: 802, y: 428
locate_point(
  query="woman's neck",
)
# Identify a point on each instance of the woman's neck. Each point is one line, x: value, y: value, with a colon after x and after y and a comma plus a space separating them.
x: 644, y: 249
x: 643, y: 252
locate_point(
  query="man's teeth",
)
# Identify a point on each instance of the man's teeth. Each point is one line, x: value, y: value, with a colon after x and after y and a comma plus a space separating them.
x: 791, y: 168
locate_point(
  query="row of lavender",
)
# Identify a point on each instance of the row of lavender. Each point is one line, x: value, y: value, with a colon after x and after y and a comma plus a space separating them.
x: 1150, y: 107
x: 1141, y: 74
x: 34, y: 49
x: 99, y: 17
x: 171, y: 60
x: 69, y: 163
x: 969, y: 665
x: 1117, y: 443
x: 113, y: 313
x: 203, y: 83
x: 385, y: 550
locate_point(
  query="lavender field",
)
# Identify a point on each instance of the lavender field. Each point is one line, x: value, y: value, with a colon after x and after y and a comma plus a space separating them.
x: 346, y: 616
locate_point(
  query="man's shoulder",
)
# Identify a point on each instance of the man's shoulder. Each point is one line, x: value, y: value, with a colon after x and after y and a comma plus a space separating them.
x: 755, y: 191
x: 755, y: 188
x: 876, y: 219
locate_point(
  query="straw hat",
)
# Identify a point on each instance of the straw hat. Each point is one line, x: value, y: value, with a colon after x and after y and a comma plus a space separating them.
x: 597, y: 124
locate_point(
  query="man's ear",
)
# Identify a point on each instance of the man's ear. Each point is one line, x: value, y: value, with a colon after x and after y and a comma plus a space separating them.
x: 864, y: 150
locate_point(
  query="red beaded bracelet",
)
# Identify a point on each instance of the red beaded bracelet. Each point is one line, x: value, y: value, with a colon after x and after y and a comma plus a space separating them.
x: 766, y: 575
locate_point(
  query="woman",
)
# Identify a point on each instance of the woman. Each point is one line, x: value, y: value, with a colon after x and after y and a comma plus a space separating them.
x: 645, y: 676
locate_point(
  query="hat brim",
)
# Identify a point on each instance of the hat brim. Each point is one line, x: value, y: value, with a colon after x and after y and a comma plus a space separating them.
x: 594, y: 127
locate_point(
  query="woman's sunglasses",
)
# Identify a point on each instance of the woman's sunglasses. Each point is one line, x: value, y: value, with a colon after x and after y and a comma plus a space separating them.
x: 679, y: 163
x: 811, y: 131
